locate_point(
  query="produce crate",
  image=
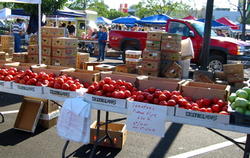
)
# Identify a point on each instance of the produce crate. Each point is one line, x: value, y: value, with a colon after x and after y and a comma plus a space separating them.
x: 171, y: 37
x: 121, y: 68
x: 170, y: 56
x: 33, y: 40
x: 145, y: 82
x: 153, y: 45
x: 57, y: 70
x: 120, y: 76
x: 64, y: 61
x: 133, y: 54
x: 46, y: 60
x: 205, y: 90
x: 20, y: 57
x: 2, y: 56
x: 130, y: 62
x: 46, y: 51
x: 64, y: 52
x: 81, y: 58
x: 171, y: 46
x: 142, y: 71
x: 234, y: 72
x: 202, y: 116
x: 150, y: 65
x: 33, y: 49
x: 33, y: 59
x: 65, y: 42
x: 154, y: 36
x: 117, y: 132
x: 53, y: 32
x: 84, y: 75
x: 47, y: 41
x: 151, y: 55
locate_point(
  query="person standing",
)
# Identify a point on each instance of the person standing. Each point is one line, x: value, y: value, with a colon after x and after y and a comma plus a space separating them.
x: 102, y: 39
x: 17, y: 33
x: 71, y: 28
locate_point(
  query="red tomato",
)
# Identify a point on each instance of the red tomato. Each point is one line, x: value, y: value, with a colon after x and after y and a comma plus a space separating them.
x: 157, y: 94
x: 215, y: 100
x: 46, y: 77
x: 174, y: 97
x: 60, y: 80
x: 167, y: 94
x: 101, y: 83
x: 26, y: 78
x: 86, y: 85
x: 220, y: 103
x: 12, y: 72
x: 105, y: 87
x: 113, y: 82
x: 115, y: 94
x: 127, y: 93
x: 111, y: 88
x: 195, y: 108
x: 224, y: 113
x: 162, y: 97
x: 121, y: 95
x: 171, y: 102
x: 156, y: 101
x: 216, y: 108
x: 188, y: 106
x: 129, y: 86
x: 176, y: 93
x: 99, y: 93
x: 39, y: 84
x: 122, y: 88
x: 13, y: 68
x: 200, y: 103
x: 145, y: 94
x: 22, y: 81
x: 140, y: 98
x: 206, y: 102
x: 51, y: 84
x: 28, y: 72
x: 107, y: 80
x: 203, y: 110
x: 33, y: 81
x: 4, y: 72
x: 73, y: 87
x: 119, y: 82
x: 151, y: 90
x: 150, y: 97
x: 224, y: 108
x: 163, y: 103
x: 65, y: 86
x: 145, y: 101
x: 109, y: 94
x: 209, y: 110
x: 57, y: 85
x: 7, y: 78
x: 188, y: 99
x: 70, y: 82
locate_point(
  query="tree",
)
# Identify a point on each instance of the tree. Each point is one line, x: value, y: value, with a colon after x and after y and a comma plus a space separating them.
x: 100, y: 7
x: 116, y: 14
x: 80, y: 4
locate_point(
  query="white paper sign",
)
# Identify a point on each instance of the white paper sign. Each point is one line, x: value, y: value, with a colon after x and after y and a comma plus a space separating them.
x: 146, y: 118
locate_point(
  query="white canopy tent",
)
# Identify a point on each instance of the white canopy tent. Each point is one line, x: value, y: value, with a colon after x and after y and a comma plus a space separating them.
x: 5, y: 13
x: 39, y: 2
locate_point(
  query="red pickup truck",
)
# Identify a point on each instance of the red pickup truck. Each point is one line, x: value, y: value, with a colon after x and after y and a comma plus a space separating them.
x: 222, y: 49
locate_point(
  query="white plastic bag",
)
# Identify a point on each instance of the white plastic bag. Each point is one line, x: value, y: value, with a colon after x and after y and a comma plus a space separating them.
x: 74, y: 121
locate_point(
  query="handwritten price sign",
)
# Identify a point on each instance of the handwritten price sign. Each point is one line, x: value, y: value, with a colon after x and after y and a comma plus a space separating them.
x: 146, y: 118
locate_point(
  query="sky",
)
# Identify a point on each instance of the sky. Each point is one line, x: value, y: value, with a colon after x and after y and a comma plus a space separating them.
x: 199, y: 3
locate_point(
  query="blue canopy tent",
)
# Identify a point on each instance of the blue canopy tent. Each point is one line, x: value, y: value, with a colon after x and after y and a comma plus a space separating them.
x: 160, y: 19
x: 215, y: 24
x: 104, y: 21
x: 126, y: 20
x: 68, y: 13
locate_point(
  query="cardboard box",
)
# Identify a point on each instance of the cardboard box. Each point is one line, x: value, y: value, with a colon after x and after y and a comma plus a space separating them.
x: 33, y: 40
x: 150, y: 65
x: 104, y: 67
x: 154, y: 36
x: 171, y: 37
x: 53, y: 32
x: 47, y: 41
x: 145, y: 82
x: 49, y: 120
x: 67, y: 62
x: 171, y: 46
x: 57, y: 70
x: 7, y: 41
x: 33, y: 59
x: 170, y: 56
x: 2, y: 56
x: 205, y: 90
x: 234, y: 72
x: 202, y: 116
x: 130, y: 62
x: 121, y: 68
x: 18, y: 65
x: 142, y: 71
x: 153, y: 45
x: 120, y: 76
x: 151, y: 55
x: 46, y: 51
x: 84, y: 75
x: 33, y: 49
x: 28, y: 115
x: 20, y: 57
x: 65, y: 42
x: 117, y: 132
x: 134, y: 54
x: 82, y: 57
x: 9, y: 50
x: 46, y: 60
x: 27, y: 90
x: 64, y: 52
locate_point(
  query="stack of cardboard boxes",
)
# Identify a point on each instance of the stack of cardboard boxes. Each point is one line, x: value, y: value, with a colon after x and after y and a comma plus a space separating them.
x: 81, y: 59
x: 151, y: 57
x: 46, y: 50
x: 64, y: 51
x: 33, y: 54
x: 133, y: 60
x: 7, y: 43
x: 33, y: 40
x: 20, y: 57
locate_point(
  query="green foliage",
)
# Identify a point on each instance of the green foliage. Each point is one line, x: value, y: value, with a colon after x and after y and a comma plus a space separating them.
x: 116, y: 14
x: 80, y: 4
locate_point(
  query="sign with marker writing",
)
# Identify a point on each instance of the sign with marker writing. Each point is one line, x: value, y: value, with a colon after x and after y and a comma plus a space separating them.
x: 146, y: 118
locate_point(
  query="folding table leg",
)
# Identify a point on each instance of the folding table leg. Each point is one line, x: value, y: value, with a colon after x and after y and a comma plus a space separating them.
x: 2, y: 121
x: 106, y: 129
x: 64, y: 148
x: 247, y: 147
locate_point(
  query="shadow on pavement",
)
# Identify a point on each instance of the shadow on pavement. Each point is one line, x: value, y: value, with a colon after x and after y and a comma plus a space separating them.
x: 101, y: 152
x: 9, y: 99
x: 12, y: 136
x: 165, y: 143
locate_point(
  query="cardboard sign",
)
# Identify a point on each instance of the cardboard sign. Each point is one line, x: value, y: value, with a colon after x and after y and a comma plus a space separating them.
x: 6, y: 84
x: 146, y: 118
x: 27, y: 90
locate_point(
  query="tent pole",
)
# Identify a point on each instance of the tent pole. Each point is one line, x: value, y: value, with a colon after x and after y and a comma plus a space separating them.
x: 39, y: 34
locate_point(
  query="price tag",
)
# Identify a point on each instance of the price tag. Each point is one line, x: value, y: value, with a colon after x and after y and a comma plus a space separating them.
x: 146, y: 118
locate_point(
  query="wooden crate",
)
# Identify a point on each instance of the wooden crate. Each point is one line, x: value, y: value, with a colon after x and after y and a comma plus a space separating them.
x: 64, y: 42
x: 154, y: 36
x: 151, y: 55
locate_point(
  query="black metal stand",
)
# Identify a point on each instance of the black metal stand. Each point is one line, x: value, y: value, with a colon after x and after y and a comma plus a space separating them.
x: 238, y: 144
x: 2, y: 121
x: 98, y: 139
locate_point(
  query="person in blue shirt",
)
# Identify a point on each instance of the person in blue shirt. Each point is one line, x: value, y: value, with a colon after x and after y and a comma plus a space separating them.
x: 102, y: 39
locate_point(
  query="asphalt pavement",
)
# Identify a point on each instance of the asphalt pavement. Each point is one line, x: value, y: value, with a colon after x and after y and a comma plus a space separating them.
x: 178, y: 141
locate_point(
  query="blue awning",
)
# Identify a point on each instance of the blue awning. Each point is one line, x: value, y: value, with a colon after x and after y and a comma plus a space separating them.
x: 126, y: 20
x: 214, y: 23
x: 102, y: 20
x: 160, y: 19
